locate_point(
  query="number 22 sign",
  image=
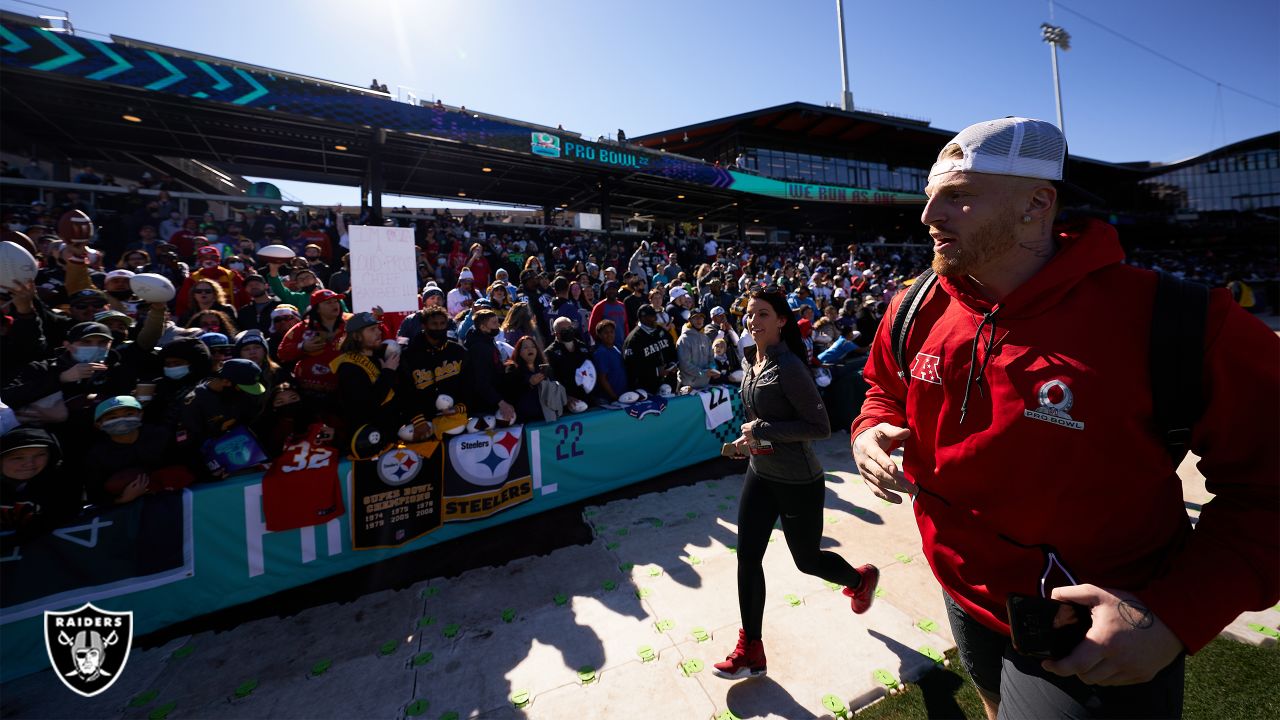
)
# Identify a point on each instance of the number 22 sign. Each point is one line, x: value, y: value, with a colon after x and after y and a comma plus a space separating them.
x: 570, y: 435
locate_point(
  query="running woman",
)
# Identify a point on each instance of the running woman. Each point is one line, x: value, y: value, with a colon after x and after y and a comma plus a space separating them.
x: 784, y: 478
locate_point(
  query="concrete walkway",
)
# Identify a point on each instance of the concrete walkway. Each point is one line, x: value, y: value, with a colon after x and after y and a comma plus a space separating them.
x: 624, y: 627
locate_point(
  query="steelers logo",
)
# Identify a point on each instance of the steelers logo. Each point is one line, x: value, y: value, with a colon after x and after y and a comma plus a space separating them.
x: 399, y: 466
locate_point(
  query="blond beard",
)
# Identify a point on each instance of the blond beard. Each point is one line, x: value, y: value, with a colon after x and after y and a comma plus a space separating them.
x: 989, y: 242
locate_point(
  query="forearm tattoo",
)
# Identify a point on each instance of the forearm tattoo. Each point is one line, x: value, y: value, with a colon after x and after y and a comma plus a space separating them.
x: 1138, y: 616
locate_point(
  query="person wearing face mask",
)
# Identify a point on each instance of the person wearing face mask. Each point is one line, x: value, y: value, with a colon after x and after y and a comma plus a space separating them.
x: 431, y: 365
x: 86, y: 367
x: 256, y: 314
x: 131, y: 457
x: 184, y: 363
x: 315, y: 262
x: 139, y: 353
x: 566, y: 354
x: 484, y: 366
x: 210, y: 270
x: 233, y: 397
x: 36, y: 493
x: 649, y: 353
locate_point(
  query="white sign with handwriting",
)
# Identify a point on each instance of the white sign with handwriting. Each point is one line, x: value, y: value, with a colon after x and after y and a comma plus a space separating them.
x: 384, y: 269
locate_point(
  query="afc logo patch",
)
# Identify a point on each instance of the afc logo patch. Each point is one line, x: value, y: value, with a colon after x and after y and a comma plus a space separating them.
x: 925, y: 367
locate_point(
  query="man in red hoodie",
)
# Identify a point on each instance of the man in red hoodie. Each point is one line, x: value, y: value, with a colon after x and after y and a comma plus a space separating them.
x: 1030, y: 446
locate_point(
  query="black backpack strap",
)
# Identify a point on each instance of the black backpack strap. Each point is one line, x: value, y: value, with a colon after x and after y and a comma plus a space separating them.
x: 1177, y: 360
x: 912, y: 301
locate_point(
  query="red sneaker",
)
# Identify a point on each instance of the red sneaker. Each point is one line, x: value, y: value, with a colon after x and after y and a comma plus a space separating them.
x: 746, y: 660
x: 866, y: 592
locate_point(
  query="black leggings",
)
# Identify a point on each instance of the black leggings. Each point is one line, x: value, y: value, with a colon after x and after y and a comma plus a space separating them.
x: 800, y: 506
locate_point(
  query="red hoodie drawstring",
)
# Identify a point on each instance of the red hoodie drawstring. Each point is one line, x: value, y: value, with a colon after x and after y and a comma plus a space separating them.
x: 973, y: 359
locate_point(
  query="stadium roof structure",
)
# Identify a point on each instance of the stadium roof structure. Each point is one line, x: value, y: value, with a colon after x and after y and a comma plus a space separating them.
x: 93, y: 99
x: 897, y: 141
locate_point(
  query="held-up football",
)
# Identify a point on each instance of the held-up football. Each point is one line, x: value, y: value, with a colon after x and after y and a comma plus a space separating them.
x: 276, y: 252
x: 152, y: 288
x: 16, y: 264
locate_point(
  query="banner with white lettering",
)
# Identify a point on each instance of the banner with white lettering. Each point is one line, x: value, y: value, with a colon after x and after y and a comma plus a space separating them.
x: 384, y: 269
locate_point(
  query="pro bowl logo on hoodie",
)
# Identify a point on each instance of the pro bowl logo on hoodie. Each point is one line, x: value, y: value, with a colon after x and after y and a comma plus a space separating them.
x: 1055, y: 401
x: 485, y: 458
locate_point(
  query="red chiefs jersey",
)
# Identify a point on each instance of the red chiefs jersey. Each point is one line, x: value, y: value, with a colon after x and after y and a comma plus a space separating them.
x: 302, y: 487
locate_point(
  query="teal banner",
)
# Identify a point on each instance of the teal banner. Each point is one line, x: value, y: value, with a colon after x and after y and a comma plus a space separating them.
x: 820, y: 193
x: 218, y: 552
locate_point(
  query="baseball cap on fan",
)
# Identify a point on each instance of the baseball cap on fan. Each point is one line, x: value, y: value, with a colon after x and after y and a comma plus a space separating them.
x: 1014, y: 146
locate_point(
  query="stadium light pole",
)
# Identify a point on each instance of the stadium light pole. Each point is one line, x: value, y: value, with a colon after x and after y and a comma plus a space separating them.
x: 1056, y: 37
x: 846, y: 100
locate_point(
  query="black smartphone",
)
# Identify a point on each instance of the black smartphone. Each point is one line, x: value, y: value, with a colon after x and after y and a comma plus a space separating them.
x: 1045, y: 628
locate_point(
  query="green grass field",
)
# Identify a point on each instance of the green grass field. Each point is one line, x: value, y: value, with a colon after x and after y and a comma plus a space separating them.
x: 1225, y: 681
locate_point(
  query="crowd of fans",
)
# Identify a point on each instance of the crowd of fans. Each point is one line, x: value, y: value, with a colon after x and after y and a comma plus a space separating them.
x: 107, y: 397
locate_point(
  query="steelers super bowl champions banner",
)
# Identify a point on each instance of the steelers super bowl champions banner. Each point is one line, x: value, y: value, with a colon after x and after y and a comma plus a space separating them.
x: 413, y: 488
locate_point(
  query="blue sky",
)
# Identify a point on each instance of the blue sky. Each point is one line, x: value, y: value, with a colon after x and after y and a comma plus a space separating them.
x: 597, y: 65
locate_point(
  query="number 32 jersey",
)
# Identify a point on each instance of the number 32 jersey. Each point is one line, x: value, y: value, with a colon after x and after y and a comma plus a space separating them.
x: 302, y: 488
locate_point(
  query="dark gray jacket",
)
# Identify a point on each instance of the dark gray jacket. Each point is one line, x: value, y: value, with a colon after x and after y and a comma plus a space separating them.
x: 783, y: 400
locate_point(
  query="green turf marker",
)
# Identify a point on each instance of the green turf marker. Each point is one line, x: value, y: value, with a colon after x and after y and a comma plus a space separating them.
x: 560, y: 599
x: 591, y: 513
x: 656, y: 522
x: 449, y: 715
x: 425, y: 620
x: 691, y: 515
x: 772, y: 539
x: 691, y: 559
x: 646, y: 653
x: 626, y: 567
x: 831, y: 586
x: 508, y: 615
x: 246, y: 688
x: 886, y: 503
x: 586, y: 674
x: 932, y: 654
x: 643, y: 593
x: 430, y: 592
x: 609, y: 586
x: 611, y: 546
x: 713, y: 484
x: 700, y: 634
x: 1265, y: 630
x: 733, y: 549
x: 927, y: 625
x: 388, y: 647
x: 162, y: 712
x: 792, y: 600
x: 622, y: 531
x: 663, y: 625
x: 422, y: 658
x: 722, y: 507
x: 601, y: 528
x: 832, y: 520
x: 886, y: 678
x: 143, y: 698
x: 879, y: 592
x: 727, y: 715
x: 321, y: 667
x: 691, y: 666
x: 730, y: 497
x: 902, y: 558
x: 520, y: 698
x: 183, y: 652
x: 451, y: 630
x: 835, y: 705
x: 655, y: 571
x: 416, y: 708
